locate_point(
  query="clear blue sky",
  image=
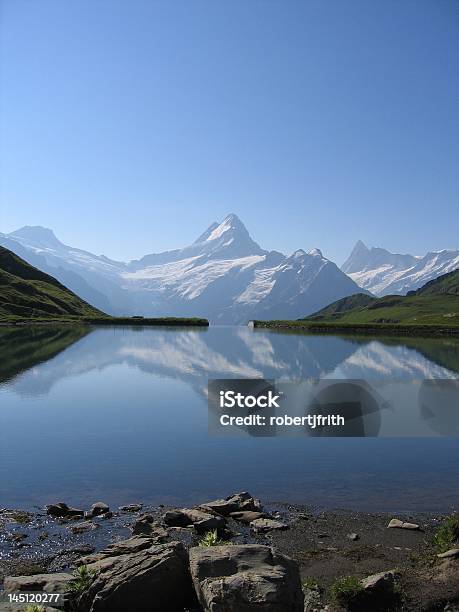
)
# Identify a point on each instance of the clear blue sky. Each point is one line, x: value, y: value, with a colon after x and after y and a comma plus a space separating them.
x: 129, y: 126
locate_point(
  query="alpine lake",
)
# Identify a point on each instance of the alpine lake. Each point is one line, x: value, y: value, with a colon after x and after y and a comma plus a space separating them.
x: 120, y: 414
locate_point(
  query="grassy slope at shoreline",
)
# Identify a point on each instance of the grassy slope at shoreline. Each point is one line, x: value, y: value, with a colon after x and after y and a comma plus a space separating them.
x: 26, y: 292
x: 29, y: 296
x: 431, y: 310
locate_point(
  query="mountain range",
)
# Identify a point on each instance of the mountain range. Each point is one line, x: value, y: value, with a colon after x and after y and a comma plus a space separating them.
x: 385, y: 273
x: 224, y: 276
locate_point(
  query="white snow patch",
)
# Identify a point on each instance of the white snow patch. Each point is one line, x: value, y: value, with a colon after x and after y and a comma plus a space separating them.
x: 220, y: 230
x: 259, y: 288
x: 188, y: 278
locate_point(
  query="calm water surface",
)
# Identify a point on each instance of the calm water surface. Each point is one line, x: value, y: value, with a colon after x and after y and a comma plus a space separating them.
x: 120, y: 415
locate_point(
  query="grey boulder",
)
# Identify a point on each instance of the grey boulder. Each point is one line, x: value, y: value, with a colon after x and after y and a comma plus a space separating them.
x: 48, y: 583
x: 146, y: 525
x: 398, y: 524
x: 138, y: 575
x: 245, y: 501
x: 97, y: 509
x: 186, y: 517
x: 245, y: 578
x: 453, y: 553
x: 246, y: 516
x: 263, y: 525
x: 220, y: 506
x: 379, y: 592
x: 122, y: 547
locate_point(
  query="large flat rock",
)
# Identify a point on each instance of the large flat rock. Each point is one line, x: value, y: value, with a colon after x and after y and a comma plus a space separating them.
x: 139, y: 576
x: 245, y: 578
x: 49, y: 583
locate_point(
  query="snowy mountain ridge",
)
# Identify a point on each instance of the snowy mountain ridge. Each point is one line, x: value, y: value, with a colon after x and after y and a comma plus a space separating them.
x: 384, y: 273
x: 224, y: 275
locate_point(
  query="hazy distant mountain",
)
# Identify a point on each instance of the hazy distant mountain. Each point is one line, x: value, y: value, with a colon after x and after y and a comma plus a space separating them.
x: 33, y: 244
x: 224, y: 275
x: 28, y: 292
x: 385, y: 273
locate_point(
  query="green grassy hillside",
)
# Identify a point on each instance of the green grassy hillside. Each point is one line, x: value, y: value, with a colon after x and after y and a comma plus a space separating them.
x: 351, y: 302
x: 25, y: 292
x: 436, y: 303
x: 431, y: 310
x: 445, y: 284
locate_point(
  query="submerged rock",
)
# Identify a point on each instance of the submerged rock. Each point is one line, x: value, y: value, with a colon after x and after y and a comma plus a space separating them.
x: 83, y: 527
x: 97, y: 509
x: 131, y: 508
x: 242, y: 578
x: 62, y: 510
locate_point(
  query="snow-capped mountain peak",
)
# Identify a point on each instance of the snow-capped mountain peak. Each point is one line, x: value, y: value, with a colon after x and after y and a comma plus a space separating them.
x: 224, y: 275
x: 231, y: 223
x: 227, y: 239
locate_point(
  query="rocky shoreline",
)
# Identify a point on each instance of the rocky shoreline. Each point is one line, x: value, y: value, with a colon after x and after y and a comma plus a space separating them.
x: 233, y: 554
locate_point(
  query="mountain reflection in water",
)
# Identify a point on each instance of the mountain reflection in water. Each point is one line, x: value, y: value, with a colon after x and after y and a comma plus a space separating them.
x: 120, y: 414
x: 194, y: 355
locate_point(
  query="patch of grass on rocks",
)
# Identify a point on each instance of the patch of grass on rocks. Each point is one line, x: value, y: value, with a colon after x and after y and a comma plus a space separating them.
x: 310, y: 583
x: 447, y: 535
x: 344, y: 591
